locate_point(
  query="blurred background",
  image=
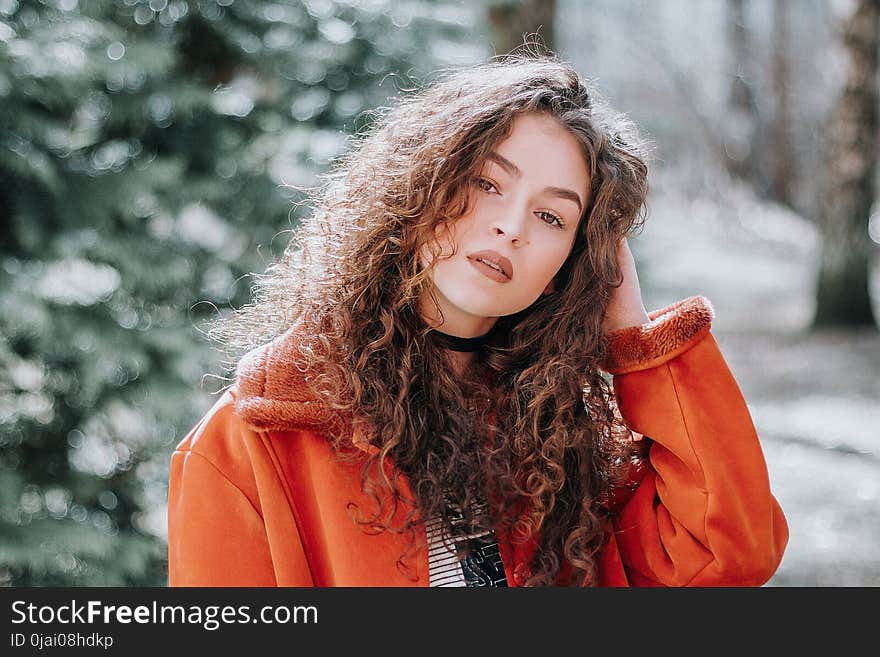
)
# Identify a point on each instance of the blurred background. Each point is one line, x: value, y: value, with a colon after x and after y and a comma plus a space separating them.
x: 149, y: 155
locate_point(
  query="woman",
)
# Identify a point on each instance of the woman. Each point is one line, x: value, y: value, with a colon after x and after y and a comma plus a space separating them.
x: 452, y: 379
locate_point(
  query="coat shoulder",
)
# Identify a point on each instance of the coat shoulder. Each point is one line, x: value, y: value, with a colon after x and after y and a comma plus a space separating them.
x: 221, y: 436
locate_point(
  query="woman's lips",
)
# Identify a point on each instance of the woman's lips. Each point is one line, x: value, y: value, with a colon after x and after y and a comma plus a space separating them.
x: 488, y: 271
x: 494, y: 258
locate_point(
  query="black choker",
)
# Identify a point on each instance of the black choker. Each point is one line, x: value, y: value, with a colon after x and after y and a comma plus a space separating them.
x: 455, y: 343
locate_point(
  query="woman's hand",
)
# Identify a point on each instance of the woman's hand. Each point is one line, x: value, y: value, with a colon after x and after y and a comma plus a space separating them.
x: 625, y: 307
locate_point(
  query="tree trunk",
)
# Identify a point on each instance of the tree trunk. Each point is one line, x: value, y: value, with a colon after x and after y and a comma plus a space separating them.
x: 741, y: 155
x: 515, y: 22
x: 843, y: 292
x: 781, y: 157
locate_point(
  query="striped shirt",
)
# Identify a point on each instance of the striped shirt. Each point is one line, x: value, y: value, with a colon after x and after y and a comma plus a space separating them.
x: 482, y: 567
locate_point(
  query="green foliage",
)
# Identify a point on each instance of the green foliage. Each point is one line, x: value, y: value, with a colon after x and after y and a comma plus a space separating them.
x: 149, y: 149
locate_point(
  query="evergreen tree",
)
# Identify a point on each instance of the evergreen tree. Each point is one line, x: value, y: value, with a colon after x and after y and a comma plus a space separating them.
x: 148, y: 156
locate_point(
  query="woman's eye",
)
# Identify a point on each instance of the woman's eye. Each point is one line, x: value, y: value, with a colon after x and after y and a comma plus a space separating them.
x: 550, y: 218
x: 486, y: 185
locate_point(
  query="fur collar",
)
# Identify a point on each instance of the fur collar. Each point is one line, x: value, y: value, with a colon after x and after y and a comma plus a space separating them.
x: 272, y: 390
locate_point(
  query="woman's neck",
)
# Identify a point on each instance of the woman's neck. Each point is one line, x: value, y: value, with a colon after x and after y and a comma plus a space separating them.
x: 460, y: 360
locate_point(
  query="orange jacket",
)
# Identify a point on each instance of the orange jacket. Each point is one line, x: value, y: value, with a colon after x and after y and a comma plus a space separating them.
x: 256, y: 497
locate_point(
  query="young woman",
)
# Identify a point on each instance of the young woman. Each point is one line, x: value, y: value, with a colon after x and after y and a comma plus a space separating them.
x: 452, y: 380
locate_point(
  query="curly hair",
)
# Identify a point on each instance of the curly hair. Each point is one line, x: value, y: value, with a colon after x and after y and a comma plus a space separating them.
x: 352, y: 274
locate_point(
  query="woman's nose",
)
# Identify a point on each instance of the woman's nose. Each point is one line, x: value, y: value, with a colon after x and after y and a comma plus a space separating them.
x: 512, y: 223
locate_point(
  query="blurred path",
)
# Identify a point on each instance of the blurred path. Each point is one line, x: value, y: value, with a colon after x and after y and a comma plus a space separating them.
x: 815, y: 398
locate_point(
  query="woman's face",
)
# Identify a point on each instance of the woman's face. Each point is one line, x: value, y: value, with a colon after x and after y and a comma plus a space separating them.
x: 527, y: 201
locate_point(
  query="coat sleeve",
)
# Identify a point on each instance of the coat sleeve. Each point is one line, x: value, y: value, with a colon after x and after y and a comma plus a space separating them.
x: 217, y: 534
x: 703, y: 514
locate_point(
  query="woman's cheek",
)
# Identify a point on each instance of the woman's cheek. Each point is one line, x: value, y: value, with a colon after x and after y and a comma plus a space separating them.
x: 438, y: 248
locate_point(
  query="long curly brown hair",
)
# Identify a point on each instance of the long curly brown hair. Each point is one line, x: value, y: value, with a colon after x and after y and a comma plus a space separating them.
x: 351, y: 272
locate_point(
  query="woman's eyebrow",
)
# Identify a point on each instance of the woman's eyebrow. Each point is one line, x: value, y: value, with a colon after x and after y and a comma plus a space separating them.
x: 514, y: 171
x: 506, y: 164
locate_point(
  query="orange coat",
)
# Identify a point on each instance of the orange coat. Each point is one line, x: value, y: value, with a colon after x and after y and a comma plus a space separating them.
x: 256, y: 497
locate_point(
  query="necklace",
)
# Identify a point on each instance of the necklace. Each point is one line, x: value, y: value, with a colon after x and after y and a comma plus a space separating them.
x: 455, y: 343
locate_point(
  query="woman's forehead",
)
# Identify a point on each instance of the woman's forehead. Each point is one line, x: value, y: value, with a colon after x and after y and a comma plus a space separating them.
x: 540, y: 148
